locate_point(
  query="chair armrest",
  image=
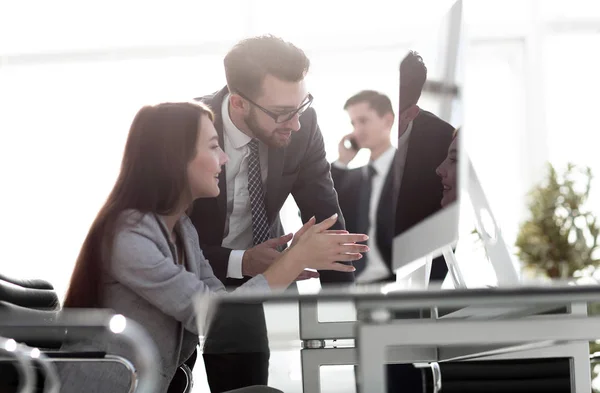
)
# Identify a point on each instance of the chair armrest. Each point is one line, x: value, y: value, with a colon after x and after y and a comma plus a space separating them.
x: 75, y: 354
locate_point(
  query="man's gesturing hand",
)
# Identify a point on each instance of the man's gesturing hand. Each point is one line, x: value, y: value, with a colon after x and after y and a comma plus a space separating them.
x: 257, y: 259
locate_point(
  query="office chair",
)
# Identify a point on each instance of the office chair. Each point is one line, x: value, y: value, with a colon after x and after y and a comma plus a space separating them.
x: 36, y: 299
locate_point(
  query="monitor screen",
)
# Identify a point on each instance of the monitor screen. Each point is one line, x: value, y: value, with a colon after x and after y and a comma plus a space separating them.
x: 428, y: 157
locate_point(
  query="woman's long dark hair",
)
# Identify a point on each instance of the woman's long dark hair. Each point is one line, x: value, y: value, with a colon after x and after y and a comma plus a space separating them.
x: 153, y: 178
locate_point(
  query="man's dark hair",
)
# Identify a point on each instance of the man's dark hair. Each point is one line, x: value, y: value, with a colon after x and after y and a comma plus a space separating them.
x: 250, y: 60
x: 413, y: 75
x: 379, y: 102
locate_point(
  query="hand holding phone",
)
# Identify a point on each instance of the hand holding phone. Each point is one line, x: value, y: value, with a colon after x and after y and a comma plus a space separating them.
x: 347, y: 149
x: 352, y: 144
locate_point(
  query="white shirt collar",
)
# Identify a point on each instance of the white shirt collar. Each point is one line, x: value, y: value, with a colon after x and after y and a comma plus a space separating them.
x: 237, y: 138
x: 384, y: 161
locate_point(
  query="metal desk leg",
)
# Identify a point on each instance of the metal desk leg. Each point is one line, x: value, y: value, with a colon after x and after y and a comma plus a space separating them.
x: 580, y: 352
x: 581, y: 373
x: 312, y: 329
x: 371, y: 361
x: 313, y: 359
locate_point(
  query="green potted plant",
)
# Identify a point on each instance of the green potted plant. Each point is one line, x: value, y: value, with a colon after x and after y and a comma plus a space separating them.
x: 560, y: 239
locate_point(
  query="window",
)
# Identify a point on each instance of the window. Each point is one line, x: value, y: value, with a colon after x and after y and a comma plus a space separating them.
x: 63, y: 128
x: 571, y: 69
x: 551, y: 10
x: 70, y: 25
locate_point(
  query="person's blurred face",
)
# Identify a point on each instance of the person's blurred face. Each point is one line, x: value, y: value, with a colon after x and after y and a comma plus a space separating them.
x: 204, y: 168
x: 369, y: 129
x: 281, y: 98
x: 447, y: 171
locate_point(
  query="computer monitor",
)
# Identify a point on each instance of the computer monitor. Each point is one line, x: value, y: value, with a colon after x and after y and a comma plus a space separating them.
x: 431, y: 175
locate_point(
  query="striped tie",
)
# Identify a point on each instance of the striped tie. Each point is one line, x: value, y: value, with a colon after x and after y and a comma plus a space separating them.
x: 260, y: 224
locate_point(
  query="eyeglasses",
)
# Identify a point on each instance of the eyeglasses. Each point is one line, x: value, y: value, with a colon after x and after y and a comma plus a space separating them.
x: 282, y: 117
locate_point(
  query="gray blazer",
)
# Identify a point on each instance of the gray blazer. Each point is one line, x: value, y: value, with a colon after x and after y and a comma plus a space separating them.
x: 144, y: 282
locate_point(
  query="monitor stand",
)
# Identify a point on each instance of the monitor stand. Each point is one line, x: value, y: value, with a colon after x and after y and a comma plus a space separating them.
x: 490, y: 233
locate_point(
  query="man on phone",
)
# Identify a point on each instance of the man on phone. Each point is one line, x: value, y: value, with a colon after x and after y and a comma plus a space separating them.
x: 366, y: 194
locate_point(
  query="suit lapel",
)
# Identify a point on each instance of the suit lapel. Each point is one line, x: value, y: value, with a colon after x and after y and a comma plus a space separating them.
x: 386, y: 209
x: 411, y: 175
x: 276, y: 158
x: 411, y: 164
x: 387, y: 195
x: 216, y: 103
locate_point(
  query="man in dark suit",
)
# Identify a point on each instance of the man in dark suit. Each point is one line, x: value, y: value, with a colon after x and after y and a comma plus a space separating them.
x: 366, y: 194
x: 427, y: 140
x: 275, y: 147
x: 423, y: 141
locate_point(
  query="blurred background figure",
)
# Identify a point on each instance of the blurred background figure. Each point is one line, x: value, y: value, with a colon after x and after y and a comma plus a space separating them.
x: 366, y: 193
x: 447, y: 171
x: 423, y: 140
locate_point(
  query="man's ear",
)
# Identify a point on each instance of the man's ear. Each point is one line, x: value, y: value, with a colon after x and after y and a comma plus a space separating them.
x: 389, y: 119
x: 237, y: 103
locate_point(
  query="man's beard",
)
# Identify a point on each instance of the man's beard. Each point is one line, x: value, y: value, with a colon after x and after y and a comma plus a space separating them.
x: 272, y: 139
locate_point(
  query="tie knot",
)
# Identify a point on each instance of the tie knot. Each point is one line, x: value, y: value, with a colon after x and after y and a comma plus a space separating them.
x: 253, y: 145
x: 371, y: 170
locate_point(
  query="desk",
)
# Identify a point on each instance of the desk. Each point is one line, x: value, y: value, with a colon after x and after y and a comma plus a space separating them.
x: 517, y: 331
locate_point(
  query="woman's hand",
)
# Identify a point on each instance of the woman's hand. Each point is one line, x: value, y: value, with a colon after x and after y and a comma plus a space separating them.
x: 309, y: 225
x: 308, y: 274
x: 317, y: 247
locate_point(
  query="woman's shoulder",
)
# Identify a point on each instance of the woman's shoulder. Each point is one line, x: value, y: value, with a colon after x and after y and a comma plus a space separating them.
x: 135, y: 232
x: 135, y: 222
x: 132, y: 217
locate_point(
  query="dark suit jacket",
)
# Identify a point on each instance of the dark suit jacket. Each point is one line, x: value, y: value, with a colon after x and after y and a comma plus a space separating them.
x: 299, y: 169
x: 421, y: 188
x: 347, y: 182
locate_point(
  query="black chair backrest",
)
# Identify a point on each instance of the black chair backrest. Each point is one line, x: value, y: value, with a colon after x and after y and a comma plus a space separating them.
x: 26, y: 298
x: 33, y: 284
x: 29, y: 296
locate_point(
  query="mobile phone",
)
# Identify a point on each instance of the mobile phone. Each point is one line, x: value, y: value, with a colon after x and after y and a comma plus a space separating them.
x: 353, y: 144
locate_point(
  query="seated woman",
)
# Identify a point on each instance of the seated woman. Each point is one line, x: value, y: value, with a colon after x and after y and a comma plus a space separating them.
x: 142, y: 256
x: 447, y: 171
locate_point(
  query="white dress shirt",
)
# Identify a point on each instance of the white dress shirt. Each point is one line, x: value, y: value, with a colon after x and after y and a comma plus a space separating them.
x: 238, y: 223
x: 376, y: 268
